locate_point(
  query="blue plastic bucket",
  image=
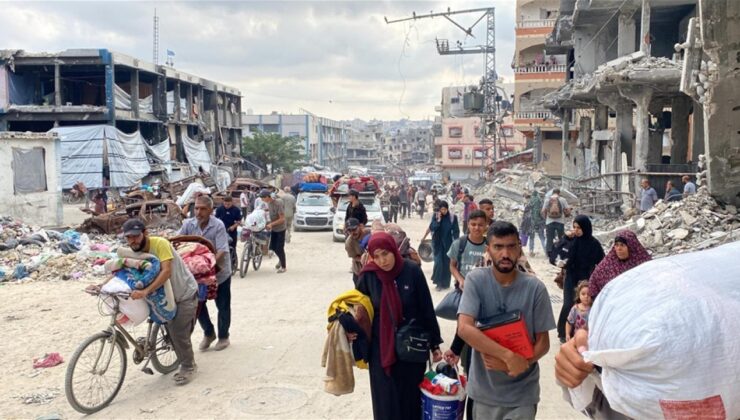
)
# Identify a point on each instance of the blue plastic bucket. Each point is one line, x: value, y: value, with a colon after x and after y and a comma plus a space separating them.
x: 441, y: 407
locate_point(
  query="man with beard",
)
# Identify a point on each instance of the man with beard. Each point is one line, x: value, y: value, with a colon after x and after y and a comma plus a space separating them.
x: 205, y: 224
x: 503, y: 383
x: 184, y: 288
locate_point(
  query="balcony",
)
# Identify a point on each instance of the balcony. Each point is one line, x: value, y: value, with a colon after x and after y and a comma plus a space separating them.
x: 533, y: 115
x: 542, y: 68
x: 535, y: 23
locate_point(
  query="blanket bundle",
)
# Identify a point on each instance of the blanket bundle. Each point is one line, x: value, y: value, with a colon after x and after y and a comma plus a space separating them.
x: 202, y: 263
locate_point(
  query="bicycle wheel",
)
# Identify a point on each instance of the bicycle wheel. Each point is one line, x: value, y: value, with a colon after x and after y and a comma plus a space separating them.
x: 234, y: 258
x: 244, y: 263
x: 164, y: 359
x: 95, y: 373
x: 257, y: 258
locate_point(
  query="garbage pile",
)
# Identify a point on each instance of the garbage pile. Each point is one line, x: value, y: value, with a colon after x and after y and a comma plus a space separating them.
x: 507, y: 189
x: 29, y: 253
x: 697, y: 222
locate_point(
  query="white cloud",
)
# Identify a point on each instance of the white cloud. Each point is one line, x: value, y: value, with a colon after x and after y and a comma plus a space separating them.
x: 338, y: 59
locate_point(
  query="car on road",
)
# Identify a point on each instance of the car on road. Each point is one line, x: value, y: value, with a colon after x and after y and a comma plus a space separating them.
x: 372, y: 207
x: 314, y: 211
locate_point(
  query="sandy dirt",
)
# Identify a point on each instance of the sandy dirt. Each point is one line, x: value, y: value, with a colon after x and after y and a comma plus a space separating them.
x: 271, y: 370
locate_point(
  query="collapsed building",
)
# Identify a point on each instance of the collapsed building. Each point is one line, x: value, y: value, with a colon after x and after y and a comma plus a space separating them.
x: 183, y: 122
x: 652, y: 88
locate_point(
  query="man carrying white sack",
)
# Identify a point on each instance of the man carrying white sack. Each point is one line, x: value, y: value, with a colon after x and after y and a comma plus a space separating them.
x: 666, y: 348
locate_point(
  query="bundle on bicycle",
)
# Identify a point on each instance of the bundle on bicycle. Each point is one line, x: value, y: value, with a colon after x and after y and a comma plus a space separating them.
x: 131, y: 296
x: 256, y: 239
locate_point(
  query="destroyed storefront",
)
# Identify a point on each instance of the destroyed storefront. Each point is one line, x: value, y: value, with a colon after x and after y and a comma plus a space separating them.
x: 640, y: 93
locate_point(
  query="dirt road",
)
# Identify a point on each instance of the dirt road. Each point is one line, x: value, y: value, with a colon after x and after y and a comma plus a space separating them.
x: 271, y: 370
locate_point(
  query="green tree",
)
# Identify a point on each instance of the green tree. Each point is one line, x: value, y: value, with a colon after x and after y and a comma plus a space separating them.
x: 284, y: 153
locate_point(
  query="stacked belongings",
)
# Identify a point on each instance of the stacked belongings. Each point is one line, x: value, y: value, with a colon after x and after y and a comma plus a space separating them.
x: 350, y: 313
x: 443, y: 393
x: 314, y: 177
x: 198, y: 256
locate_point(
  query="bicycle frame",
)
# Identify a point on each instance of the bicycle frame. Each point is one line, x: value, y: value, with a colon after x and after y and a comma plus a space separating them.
x: 119, y: 334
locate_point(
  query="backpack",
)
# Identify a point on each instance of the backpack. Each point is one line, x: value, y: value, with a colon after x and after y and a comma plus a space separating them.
x: 461, y: 248
x: 554, y: 208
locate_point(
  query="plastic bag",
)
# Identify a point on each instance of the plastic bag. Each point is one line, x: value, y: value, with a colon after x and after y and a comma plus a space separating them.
x: 256, y: 221
x: 666, y: 336
x: 135, y: 311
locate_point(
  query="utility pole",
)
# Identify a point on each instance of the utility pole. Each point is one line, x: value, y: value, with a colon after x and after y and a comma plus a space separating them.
x: 488, y: 82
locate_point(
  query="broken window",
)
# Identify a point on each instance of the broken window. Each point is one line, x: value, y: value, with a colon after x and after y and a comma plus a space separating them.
x: 455, y: 131
x: 29, y: 170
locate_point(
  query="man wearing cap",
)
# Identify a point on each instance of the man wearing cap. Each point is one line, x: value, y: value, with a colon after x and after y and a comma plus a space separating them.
x: 356, y: 235
x: 184, y: 288
x: 208, y: 226
x: 355, y: 208
x: 276, y: 226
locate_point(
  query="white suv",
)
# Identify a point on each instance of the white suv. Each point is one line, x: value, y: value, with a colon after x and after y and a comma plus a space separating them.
x: 314, y: 211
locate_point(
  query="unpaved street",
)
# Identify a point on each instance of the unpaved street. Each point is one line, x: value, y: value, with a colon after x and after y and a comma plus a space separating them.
x: 271, y: 370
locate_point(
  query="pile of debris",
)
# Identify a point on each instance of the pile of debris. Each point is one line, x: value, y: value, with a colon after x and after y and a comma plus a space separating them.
x: 29, y: 253
x: 692, y: 224
x: 507, y: 189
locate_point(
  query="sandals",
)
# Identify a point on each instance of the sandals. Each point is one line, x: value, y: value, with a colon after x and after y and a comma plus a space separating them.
x: 184, y: 376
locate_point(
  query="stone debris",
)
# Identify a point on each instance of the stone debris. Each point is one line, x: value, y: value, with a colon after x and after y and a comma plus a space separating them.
x: 507, y: 189
x: 692, y: 224
x: 40, y: 397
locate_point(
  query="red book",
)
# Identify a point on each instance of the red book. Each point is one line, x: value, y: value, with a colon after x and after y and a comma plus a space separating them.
x: 510, y: 331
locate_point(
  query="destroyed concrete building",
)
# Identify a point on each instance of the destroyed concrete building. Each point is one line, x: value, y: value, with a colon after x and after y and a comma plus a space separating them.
x: 363, y: 144
x: 80, y: 87
x: 652, y: 85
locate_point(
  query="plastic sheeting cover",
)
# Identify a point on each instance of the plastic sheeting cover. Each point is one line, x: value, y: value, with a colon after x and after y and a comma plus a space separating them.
x: 82, y: 150
x: 197, y: 153
x: 171, y: 105
x: 160, y: 151
x: 146, y: 105
x: 126, y: 157
x: 29, y: 170
x: 123, y: 99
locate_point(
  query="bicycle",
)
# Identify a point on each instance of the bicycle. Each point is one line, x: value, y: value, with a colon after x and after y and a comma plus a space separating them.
x: 102, y: 357
x: 253, y: 245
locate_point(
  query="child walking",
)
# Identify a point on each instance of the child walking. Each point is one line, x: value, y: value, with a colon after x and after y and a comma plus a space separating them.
x: 578, y: 316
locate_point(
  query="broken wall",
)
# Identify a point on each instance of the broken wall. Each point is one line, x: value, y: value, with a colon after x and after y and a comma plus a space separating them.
x: 42, y: 208
x: 721, y: 37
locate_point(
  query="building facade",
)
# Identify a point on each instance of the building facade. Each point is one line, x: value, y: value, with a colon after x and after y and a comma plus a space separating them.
x: 364, y: 143
x: 324, y: 140
x: 40, y: 91
x: 536, y: 74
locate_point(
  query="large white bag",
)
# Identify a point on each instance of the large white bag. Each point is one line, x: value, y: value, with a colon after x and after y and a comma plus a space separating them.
x: 135, y: 311
x: 256, y: 220
x: 667, y: 335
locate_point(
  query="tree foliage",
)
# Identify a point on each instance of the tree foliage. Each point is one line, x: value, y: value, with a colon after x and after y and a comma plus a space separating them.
x: 284, y: 153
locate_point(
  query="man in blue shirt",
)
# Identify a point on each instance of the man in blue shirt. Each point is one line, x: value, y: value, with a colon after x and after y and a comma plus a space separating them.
x: 208, y: 226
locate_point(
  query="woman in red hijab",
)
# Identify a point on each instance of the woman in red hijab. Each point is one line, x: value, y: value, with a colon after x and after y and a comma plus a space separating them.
x: 626, y: 254
x: 399, y: 292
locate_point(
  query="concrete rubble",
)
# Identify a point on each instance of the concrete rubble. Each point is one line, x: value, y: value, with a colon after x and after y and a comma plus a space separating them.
x: 507, y: 189
x: 692, y: 224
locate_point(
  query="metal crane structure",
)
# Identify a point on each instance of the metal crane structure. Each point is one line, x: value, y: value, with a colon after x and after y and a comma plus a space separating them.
x: 489, y: 134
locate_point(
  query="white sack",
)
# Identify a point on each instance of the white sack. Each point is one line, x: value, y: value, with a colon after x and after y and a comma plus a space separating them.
x: 256, y: 220
x: 669, y: 330
x: 137, y: 310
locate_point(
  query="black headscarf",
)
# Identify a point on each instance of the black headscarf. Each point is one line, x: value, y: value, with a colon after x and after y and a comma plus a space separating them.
x: 585, y: 253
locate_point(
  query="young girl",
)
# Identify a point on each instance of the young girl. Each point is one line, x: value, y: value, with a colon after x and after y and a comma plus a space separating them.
x: 578, y: 316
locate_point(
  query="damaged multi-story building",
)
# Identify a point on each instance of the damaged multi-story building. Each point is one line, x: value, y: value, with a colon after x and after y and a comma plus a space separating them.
x: 407, y: 146
x: 40, y: 92
x: 363, y: 143
x: 652, y: 87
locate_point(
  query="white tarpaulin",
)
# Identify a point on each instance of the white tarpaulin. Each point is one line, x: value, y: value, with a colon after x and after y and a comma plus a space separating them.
x: 123, y: 99
x: 146, y: 106
x: 160, y: 151
x: 83, y: 149
x: 82, y: 154
x: 197, y: 153
x: 126, y: 157
x: 171, y: 105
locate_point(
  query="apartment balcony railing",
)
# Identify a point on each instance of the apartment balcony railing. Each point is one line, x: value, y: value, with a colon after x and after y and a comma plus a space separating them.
x: 536, y: 23
x: 533, y: 115
x: 542, y: 68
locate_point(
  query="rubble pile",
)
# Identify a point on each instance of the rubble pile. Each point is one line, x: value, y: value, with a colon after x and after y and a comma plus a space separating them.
x: 507, y: 189
x: 692, y: 224
x: 29, y: 253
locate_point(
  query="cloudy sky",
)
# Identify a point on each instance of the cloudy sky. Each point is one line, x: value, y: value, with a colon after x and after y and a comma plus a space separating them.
x: 336, y: 59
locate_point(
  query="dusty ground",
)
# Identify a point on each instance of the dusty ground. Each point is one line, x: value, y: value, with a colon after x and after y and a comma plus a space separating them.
x: 271, y: 370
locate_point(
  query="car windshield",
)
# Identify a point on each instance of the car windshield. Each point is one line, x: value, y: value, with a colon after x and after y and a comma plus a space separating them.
x: 371, y: 204
x: 315, y: 200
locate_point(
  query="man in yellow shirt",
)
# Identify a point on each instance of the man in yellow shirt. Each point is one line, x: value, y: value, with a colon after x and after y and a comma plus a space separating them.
x: 184, y: 288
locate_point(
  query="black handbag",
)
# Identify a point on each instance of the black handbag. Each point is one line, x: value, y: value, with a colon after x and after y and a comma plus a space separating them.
x: 447, y: 308
x: 413, y: 343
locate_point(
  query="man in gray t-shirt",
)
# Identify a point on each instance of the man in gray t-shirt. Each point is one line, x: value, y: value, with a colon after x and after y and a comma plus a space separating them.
x: 502, y: 383
x: 648, y: 196
x: 555, y: 210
